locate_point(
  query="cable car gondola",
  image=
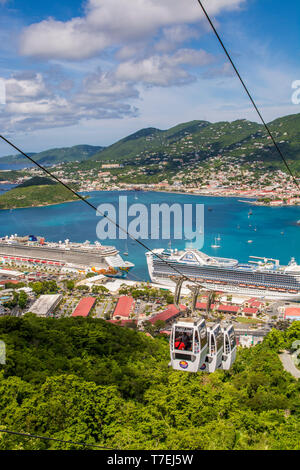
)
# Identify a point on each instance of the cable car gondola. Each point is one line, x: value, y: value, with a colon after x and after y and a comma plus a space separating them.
x: 229, y: 347
x: 196, y: 348
x: 215, y: 348
x: 188, y: 345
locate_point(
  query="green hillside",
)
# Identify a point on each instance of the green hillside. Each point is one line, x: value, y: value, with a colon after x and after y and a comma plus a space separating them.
x: 56, y: 155
x: 33, y: 196
x: 241, y: 139
x: 88, y: 380
x: 37, y: 181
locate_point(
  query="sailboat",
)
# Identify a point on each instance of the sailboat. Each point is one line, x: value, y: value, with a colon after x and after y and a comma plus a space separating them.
x: 216, y: 244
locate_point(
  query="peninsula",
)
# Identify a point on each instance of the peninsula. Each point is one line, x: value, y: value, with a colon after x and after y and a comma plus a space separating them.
x: 34, y: 193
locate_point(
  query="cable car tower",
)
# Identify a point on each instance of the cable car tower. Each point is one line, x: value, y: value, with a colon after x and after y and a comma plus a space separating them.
x: 194, y: 347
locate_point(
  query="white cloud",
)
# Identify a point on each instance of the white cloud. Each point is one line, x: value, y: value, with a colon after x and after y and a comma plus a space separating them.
x: 163, y: 70
x: 25, y: 86
x: 112, y: 23
x: 175, y: 35
x: 32, y: 102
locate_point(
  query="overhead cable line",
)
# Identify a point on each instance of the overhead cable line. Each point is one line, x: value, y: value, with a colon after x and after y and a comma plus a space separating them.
x: 249, y: 94
x: 35, y: 436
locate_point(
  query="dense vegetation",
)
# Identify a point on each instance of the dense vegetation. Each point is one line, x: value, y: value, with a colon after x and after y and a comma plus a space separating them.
x: 12, y: 175
x: 57, y: 155
x: 88, y: 380
x: 237, y: 139
x: 37, y: 181
x: 32, y: 196
x: 241, y: 139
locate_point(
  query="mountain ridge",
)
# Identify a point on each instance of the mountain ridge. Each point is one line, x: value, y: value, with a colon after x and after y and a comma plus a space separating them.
x: 56, y: 155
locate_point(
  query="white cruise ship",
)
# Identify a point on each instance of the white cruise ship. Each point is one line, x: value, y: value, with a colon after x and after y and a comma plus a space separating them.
x: 261, y: 277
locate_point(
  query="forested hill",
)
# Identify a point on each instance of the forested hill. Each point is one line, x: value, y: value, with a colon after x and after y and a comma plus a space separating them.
x: 88, y: 380
x: 56, y: 155
x: 35, y: 195
x: 243, y: 140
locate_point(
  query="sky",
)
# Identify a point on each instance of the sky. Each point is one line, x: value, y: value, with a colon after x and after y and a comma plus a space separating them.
x: 94, y: 71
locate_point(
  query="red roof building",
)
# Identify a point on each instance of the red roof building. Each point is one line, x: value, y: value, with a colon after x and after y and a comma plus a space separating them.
x: 84, y: 307
x: 203, y: 305
x: 169, y: 314
x: 9, y: 281
x: 250, y: 311
x: 228, y: 308
x: 292, y: 313
x: 256, y: 304
x: 123, y: 308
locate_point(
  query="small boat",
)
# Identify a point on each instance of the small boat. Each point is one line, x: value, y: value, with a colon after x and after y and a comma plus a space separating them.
x: 210, y: 209
x: 215, y: 245
x: 218, y: 238
x: 282, y: 233
x: 250, y: 241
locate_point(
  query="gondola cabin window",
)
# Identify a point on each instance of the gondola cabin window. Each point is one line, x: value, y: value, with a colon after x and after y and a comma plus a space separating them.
x: 183, y: 340
x: 219, y: 338
x: 196, y: 343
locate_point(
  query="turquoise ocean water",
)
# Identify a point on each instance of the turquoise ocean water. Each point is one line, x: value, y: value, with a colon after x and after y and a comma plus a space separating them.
x: 222, y: 216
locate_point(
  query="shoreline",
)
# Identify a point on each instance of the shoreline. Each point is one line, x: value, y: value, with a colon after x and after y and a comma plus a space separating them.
x: 252, y: 199
x: 41, y: 205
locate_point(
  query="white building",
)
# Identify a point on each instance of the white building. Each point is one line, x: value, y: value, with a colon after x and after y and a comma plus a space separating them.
x: 45, y: 305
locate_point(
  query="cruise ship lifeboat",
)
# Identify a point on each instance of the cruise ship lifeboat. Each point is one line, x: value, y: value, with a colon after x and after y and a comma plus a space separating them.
x: 229, y: 347
x: 189, y: 345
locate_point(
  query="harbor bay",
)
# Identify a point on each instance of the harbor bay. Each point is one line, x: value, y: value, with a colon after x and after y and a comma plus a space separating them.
x: 245, y: 230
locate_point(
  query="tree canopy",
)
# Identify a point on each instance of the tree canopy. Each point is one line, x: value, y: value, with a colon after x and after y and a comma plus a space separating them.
x: 85, y: 379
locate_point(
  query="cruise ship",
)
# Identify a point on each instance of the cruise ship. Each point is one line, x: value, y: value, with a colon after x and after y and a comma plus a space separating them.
x: 261, y: 277
x: 67, y: 256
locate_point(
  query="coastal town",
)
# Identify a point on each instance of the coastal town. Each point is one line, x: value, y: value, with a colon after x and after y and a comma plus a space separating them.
x: 271, y: 188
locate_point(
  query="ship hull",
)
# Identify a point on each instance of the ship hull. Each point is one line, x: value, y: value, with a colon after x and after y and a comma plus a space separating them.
x: 203, y: 277
x: 74, y: 260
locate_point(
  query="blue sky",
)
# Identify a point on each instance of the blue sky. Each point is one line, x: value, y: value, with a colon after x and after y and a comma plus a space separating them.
x: 94, y: 71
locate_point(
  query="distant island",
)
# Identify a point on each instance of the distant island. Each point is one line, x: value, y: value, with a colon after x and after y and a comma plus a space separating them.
x: 77, y: 153
x: 37, y: 191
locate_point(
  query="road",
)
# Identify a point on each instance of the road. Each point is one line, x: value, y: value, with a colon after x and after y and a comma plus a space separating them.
x: 288, y: 364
